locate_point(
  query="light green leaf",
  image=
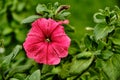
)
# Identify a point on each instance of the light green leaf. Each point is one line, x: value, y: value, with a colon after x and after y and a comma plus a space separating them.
x: 99, y: 18
x: 7, y: 30
x: 30, y: 19
x: 112, y: 67
x: 78, y: 66
x: 116, y: 41
x: 84, y: 55
x: 41, y: 8
x: 65, y: 14
x: 62, y: 15
x: 14, y: 79
x: 102, y: 30
x: 35, y: 75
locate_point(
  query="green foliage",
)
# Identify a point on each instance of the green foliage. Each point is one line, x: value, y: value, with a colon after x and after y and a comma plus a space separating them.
x: 34, y: 76
x: 51, y: 11
x: 94, y: 58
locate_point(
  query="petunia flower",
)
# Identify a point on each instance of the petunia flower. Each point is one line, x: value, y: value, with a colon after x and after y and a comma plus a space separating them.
x: 47, y: 41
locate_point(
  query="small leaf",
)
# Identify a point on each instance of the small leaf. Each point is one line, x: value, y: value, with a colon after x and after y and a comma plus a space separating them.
x: 99, y: 18
x: 102, y: 30
x: 35, y: 75
x: 30, y: 19
x: 62, y: 15
x: 41, y: 8
x: 84, y: 55
x: 61, y: 8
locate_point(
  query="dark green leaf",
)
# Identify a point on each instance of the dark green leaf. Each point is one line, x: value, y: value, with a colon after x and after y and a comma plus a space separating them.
x: 46, y: 68
x: 30, y: 19
x: 74, y: 48
x: 88, y: 42
x: 116, y: 37
x: 106, y: 54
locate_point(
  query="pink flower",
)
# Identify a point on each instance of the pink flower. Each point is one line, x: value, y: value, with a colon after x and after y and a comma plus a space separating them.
x: 47, y: 41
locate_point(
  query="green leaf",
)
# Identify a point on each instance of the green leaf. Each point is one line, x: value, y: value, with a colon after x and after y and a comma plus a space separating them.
x: 20, y: 34
x: 111, y: 67
x: 46, y: 68
x: 18, y: 69
x: 61, y: 8
x: 62, y: 15
x: 116, y: 41
x: 41, y: 8
x: 102, y: 30
x: 99, y: 18
x: 78, y: 66
x: 65, y: 69
x: 7, y: 39
x: 7, y: 30
x: 101, y: 44
x: 106, y: 54
x: 35, y: 75
x: 116, y: 37
x: 30, y: 19
x: 14, y: 79
x: 88, y: 42
x: 74, y: 48
x: 84, y: 55
x: 11, y: 56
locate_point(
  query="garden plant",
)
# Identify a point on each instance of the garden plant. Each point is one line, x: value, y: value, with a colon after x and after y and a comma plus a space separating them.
x: 44, y: 45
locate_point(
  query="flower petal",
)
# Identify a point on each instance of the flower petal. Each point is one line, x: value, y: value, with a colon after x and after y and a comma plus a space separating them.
x: 43, y: 25
x: 53, y: 58
x: 36, y: 30
x: 33, y: 50
x: 59, y: 31
x: 48, y: 56
x: 62, y: 40
x: 61, y: 51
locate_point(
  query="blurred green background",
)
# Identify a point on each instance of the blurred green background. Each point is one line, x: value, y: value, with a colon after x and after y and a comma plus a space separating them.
x: 12, y: 12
